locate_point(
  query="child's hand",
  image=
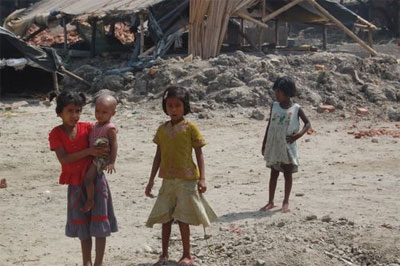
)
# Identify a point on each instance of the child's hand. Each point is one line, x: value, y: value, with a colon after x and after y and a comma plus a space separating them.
x: 201, y: 186
x: 100, y: 151
x: 149, y: 187
x: 110, y: 168
x: 293, y: 138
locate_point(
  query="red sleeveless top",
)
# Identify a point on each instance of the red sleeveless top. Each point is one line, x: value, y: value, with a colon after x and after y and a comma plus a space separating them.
x: 72, y: 173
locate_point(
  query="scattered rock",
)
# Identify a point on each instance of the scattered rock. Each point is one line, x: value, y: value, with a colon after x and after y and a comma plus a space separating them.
x: 326, y: 108
x: 260, y: 262
x: 311, y: 217
x: 280, y: 224
x: 326, y: 219
x: 362, y: 111
x: 394, y: 114
x: 257, y: 114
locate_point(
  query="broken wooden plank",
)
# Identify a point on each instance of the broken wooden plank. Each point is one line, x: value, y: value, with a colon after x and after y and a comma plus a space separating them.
x: 281, y: 10
x: 74, y: 76
x: 251, y: 19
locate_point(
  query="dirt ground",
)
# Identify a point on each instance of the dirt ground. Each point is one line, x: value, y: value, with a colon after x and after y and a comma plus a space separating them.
x: 345, y: 199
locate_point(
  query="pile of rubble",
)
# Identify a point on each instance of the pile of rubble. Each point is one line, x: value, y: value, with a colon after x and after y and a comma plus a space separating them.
x: 344, y: 82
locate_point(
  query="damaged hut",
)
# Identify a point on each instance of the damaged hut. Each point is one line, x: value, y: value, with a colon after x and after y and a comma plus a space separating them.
x: 200, y: 26
x: 26, y: 68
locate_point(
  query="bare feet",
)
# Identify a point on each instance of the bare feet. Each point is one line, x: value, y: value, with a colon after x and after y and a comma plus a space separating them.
x: 186, y: 261
x: 89, y: 204
x: 161, y: 261
x: 3, y: 183
x: 268, y: 207
x: 285, y: 208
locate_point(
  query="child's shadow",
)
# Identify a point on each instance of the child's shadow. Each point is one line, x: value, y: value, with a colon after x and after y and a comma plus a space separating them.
x: 169, y: 262
x: 236, y: 216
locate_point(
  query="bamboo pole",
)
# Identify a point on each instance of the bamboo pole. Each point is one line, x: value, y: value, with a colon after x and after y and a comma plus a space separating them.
x: 64, y: 20
x: 280, y: 10
x: 249, y: 18
x: 277, y: 32
x: 324, y: 37
x: 74, y: 76
x: 55, y: 82
x: 147, y: 52
x: 93, y: 41
x: 263, y: 13
x: 141, y: 33
x: 370, y: 38
x: 342, y: 27
x: 369, y: 24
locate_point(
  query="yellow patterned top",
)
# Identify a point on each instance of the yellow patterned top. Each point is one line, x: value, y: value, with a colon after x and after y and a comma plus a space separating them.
x: 176, y: 144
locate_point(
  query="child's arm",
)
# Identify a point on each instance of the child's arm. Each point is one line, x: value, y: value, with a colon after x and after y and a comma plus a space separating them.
x: 65, y: 158
x: 266, y: 134
x: 154, y: 170
x: 112, y: 137
x: 307, y: 126
x: 202, y: 187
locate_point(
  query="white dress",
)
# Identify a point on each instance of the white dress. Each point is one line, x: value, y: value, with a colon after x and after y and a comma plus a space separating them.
x: 283, y: 123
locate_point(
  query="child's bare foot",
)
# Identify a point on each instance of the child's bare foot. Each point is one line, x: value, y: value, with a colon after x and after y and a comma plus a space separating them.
x: 162, y: 260
x: 186, y: 261
x: 3, y: 183
x: 89, y: 204
x: 268, y: 207
x: 285, y: 208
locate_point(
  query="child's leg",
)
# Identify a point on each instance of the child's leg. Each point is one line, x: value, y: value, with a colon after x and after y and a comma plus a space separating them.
x: 165, y: 236
x: 272, y: 187
x: 287, y: 172
x: 185, y: 234
x: 89, y: 183
x: 86, y: 246
x: 100, y: 247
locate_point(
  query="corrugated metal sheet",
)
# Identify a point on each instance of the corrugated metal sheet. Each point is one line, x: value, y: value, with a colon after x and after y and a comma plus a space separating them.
x: 80, y: 7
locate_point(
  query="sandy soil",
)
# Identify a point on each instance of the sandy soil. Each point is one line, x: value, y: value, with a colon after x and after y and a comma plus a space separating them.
x: 353, y: 181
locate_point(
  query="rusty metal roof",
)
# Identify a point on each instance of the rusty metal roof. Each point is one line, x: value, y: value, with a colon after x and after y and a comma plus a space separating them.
x: 93, y: 7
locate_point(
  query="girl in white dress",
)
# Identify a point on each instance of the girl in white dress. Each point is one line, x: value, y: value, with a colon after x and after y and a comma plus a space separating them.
x: 279, y: 145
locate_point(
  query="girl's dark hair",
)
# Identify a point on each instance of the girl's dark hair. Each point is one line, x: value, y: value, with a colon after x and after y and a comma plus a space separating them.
x: 177, y: 92
x: 68, y: 97
x: 286, y: 85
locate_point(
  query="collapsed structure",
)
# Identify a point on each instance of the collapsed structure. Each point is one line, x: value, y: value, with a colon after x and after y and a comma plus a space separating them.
x: 199, y: 25
x: 22, y: 64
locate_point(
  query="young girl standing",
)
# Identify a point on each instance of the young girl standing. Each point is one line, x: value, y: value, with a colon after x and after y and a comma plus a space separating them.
x: 180, y: 197
x: 279, y: 145
x: 70, y: 143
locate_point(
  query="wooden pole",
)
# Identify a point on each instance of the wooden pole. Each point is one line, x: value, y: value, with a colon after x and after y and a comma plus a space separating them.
x: 147, y: 52
x: 243, y: 35
x: 324, y: 37
x: 93, y: 41
x: 55, y: 82
x: 342, y: 27
x: 141, y: 32
x: 112, y: 29
x: 34, y: 34
x: 280, y: 10
x: 276, y: 32
x: 372, y: 26
x: 74, y: 76
x: 242, y: 30
x: 264, y: 13
x: 249, y: 18
x: 64, y: 20
x: 370, y: 39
